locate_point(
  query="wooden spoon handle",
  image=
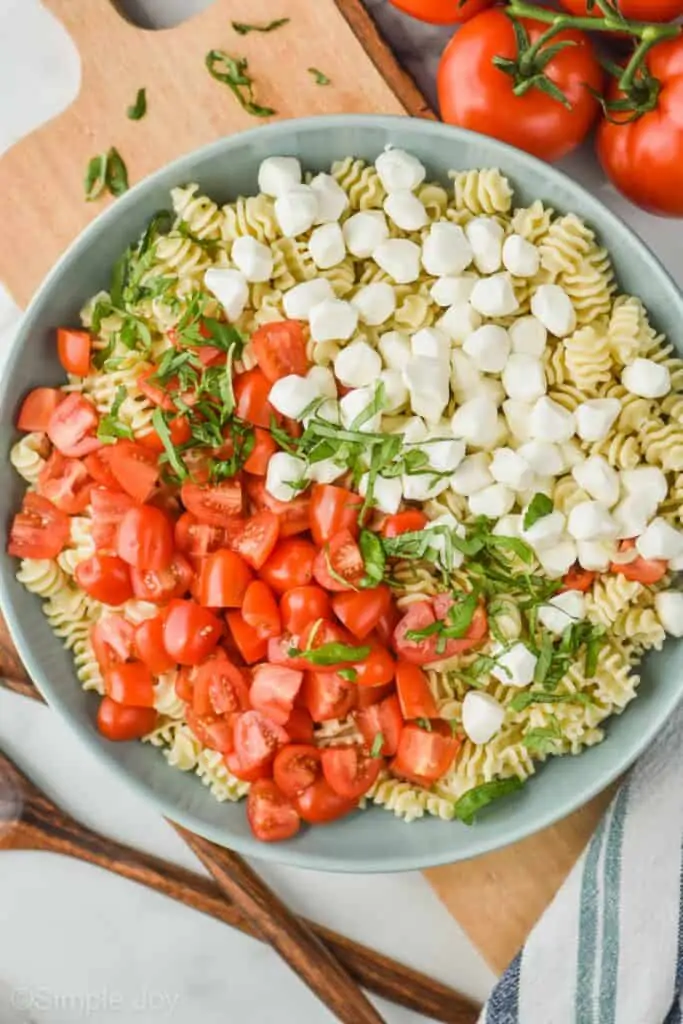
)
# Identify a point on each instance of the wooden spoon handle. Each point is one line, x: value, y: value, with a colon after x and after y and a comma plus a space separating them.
x: 294, y: 941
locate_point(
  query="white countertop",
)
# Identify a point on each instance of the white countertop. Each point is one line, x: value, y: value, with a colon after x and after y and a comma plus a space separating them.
x: 79, y: 944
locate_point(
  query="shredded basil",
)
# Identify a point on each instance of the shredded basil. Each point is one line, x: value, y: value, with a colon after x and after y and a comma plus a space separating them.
x: 138, y: 110
x: 243, y: 29
x: 424, y: 723
x: 373, y: 556
x: 377, y: 745
x: 110, y: 427
x: 117, y: 173
x: 349, y: 674
x: 330, y: 654
x: 232, y: 71
x: 161, y: 427
x: 543, y: 740
x: 539, y: 507
x: 319, y: 77
x: 524, y: 700
x: 469, y: 805
x: 95, y: 180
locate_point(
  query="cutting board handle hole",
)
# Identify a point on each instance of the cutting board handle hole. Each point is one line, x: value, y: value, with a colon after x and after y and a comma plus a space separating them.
x: 160, y: 14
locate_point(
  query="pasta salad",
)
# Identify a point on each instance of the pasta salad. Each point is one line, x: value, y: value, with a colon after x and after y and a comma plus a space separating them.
x: 361, y: 489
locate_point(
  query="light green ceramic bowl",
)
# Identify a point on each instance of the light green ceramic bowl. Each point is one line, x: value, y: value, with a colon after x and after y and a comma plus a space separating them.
x: 372, y: 840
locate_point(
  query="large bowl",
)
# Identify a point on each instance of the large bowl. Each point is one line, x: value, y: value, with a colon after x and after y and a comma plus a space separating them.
x: 372, y: 840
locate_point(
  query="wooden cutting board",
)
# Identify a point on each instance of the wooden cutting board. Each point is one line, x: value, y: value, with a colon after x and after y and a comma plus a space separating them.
x: 495, y: 898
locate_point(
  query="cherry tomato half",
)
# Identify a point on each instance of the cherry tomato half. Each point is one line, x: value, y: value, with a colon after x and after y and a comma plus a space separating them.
x: 296, y: 767
x: 302, y: 605
x: 145, y: 538
x: 190, y: 632
x: 118, y: 722
x: 280, y: 349
x: 106, y: 578
x: 37, y: 408
x: 290, y: 565
x: 73, y: 349
x: 333, y: 509
x: 350, y: 771
x: 40, y: 530
x: 271, y: 816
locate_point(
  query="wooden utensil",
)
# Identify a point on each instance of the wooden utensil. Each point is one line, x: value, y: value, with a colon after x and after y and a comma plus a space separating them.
x: 335, y: 35
x: 251, y: 906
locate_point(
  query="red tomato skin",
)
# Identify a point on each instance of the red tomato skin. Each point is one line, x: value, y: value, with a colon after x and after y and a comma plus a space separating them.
x: 112, y: 638
x: 217, y: 505
x: 108, y: 509
x: 296, y: 767
x: 250, y: 774
x: 299, y: 726
x: 73, y: 349
x: 257, y: 739
x: 578, y: 579
x: 66, y: 483
x: 99, y: 470
x: 159, y: 586
x: 135, y: 468
x: 636, y: 10
x: 212, y: 731
x: 475, y: 94
x: 302, y: 605
x: 190, y: 632
x: 255, y: 538
x: 293, y: 516
x: 145, y: 538
x: 180, y: 432
x: 271, y: 816
x: 251, y: 646
x: 195, y: 538
x: 273, y: 691
x: 149, y: 644
x: 425, y: 756
x: 327, y: 695
x: 410, y: 521
x: 259, y: 456
x: 378, y: 669
x: 280, y: 349
x: 360, y: 611
x: 414, y: 695
x: 319, y: 804
x: 106, y: 578
x: 339, y: 566
x: 384, y: 718
x: 441, y: 12
x: 333, y: 509
x: 642, y: 570
x: 130, y: 684
x: 290, y: 565
x: 40, y: 530
x: 387, y: 624
x: 424, y: 652
x: 260, y: 610
x: 223, y: 580
x: 366, y: 696
x: 653, y: 141
x: 350, y: 771
x: 37, y: 408
x: 72, y: 427
x: 251, y: 395
x: 120, y: 723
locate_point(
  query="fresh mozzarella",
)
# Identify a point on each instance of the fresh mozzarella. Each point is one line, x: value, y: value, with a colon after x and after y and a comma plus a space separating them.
x: 515, y: 666
x: 427, y: 384
x: 459, y: 321
x: 332, y: 199
x: 562, y: 611
x: 355, y: 406
x: 591, y: 520
x: 508, y: 467
x: 399, y: 170
x: 494, y: 296
x: 432, y: 343
x: 598, y: 479
x: 296, y: 210
x: 231, y: 289
x: 332, y: 320
x: 520, y: 257
x: 364, y: 231
x: 596, y: 417
x: 405, y: 210
x: 552, y: 306
x: 445, y: 251
x: 596, y: 555
x: 482, y: 716
x: 551, y: 421
x: 660, y: 541
x: 647, y: 379
x: 395, y: 390
x: 488, y: 347
x: 323, y: 379
x: 291, y: 395
x: 278, y: 174
x: 485, y: 235
x: 546, y: 532
x: 451, y: 291
x: 326, y: 246
x: 395, y: 350
x: 357, y: 365
x: 524, y: 378
x: 300, y: 300
x: 544, y: 457
x: 518, y: 418
x: 253, y: 258
x: 476, y: 422
x: 649, y: 480
x: 493, y: 501
x: 400, y: 258
x: 387, y: 493
x: 375, y: 303
x: 528, y: 336
x: 669, y: 608
x: 284, y: 476
x: 556, y: 561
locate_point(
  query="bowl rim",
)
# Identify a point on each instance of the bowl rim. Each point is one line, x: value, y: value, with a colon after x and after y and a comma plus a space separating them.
x: 284, y: 853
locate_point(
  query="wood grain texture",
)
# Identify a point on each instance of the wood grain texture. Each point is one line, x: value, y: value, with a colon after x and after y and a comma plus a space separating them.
x: 186, y: 107
x: 44, y: 826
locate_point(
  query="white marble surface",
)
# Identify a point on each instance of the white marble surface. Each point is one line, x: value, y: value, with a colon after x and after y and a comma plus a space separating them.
x: 77, y: 944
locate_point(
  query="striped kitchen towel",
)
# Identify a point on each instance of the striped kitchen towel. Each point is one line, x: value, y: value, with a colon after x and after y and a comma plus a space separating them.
x: 609, y: 948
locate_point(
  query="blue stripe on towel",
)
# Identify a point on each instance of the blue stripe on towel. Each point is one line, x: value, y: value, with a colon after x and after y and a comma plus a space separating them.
x: 611, y: 907
x: 503, y: 1006
x: 588, y: 929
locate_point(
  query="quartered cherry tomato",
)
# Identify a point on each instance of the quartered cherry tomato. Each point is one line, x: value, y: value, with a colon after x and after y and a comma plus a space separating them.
x: 106, y: 578
x: 280, y: 349
x: 118, y: 722
x: 40, y: 530
x: 37, y: 408
x: 271, y: 815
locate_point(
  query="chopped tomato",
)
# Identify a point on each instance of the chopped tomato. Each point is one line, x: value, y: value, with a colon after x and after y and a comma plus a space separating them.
x: 223, y: 580
x: 377, y: 669
x: 319, y: 804
x: 179, y: 430
x: 271, y: 816
x: 251, y: 645
x: 135, y: 467
x: 641, y: 570
x: 404, y: 522
x: 190, y: 632
x: 385, y: 720
x: 387, y: 624
x: 339, y: 566
x: 361, y: 610
x: 73, y: 349
x: 66, y: 483
x: 333, y: 509
x: 350, y: 771
x: 293, y: 516
x: 366, y: 696
x: 37, y: 408
x: 161, y: 585
x: 317, y: 634
x: 299, y: 725
x: 423, y: 756
x: 578, y: 579
x: 130, y: 683
x: 197, y: 539
x: 117, y: 722
x: 99, y: 470
x: 427, y: 650
x: 255, y: 538
x: 290, y: 565
x: 72, y: 426
x: 145, y: 538
x: 217, y: 504
x: 328, y: 695
x: 108, y: 508
x: 219, y: 688
x: 149, y: 643
x: 302, y: 605
x: 257, y: 739
x: 250, y: 774
x: 274, y: 689
x: 414, y: 695
x: 260, y: 609
x: 296, y: 767
x: 106, y: 578
x: 112, y: 638
x: 251, y: 396
x: 213, y: 731
x: 280, y: 349
x: 40, y: 530
x: 156, y: 394
x: 259, y: 456
x: 184, y: 684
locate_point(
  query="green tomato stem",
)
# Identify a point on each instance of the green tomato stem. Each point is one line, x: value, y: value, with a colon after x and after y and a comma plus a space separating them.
x: 608, y: 23
x: 526, y: 60
x: 649, y: 39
